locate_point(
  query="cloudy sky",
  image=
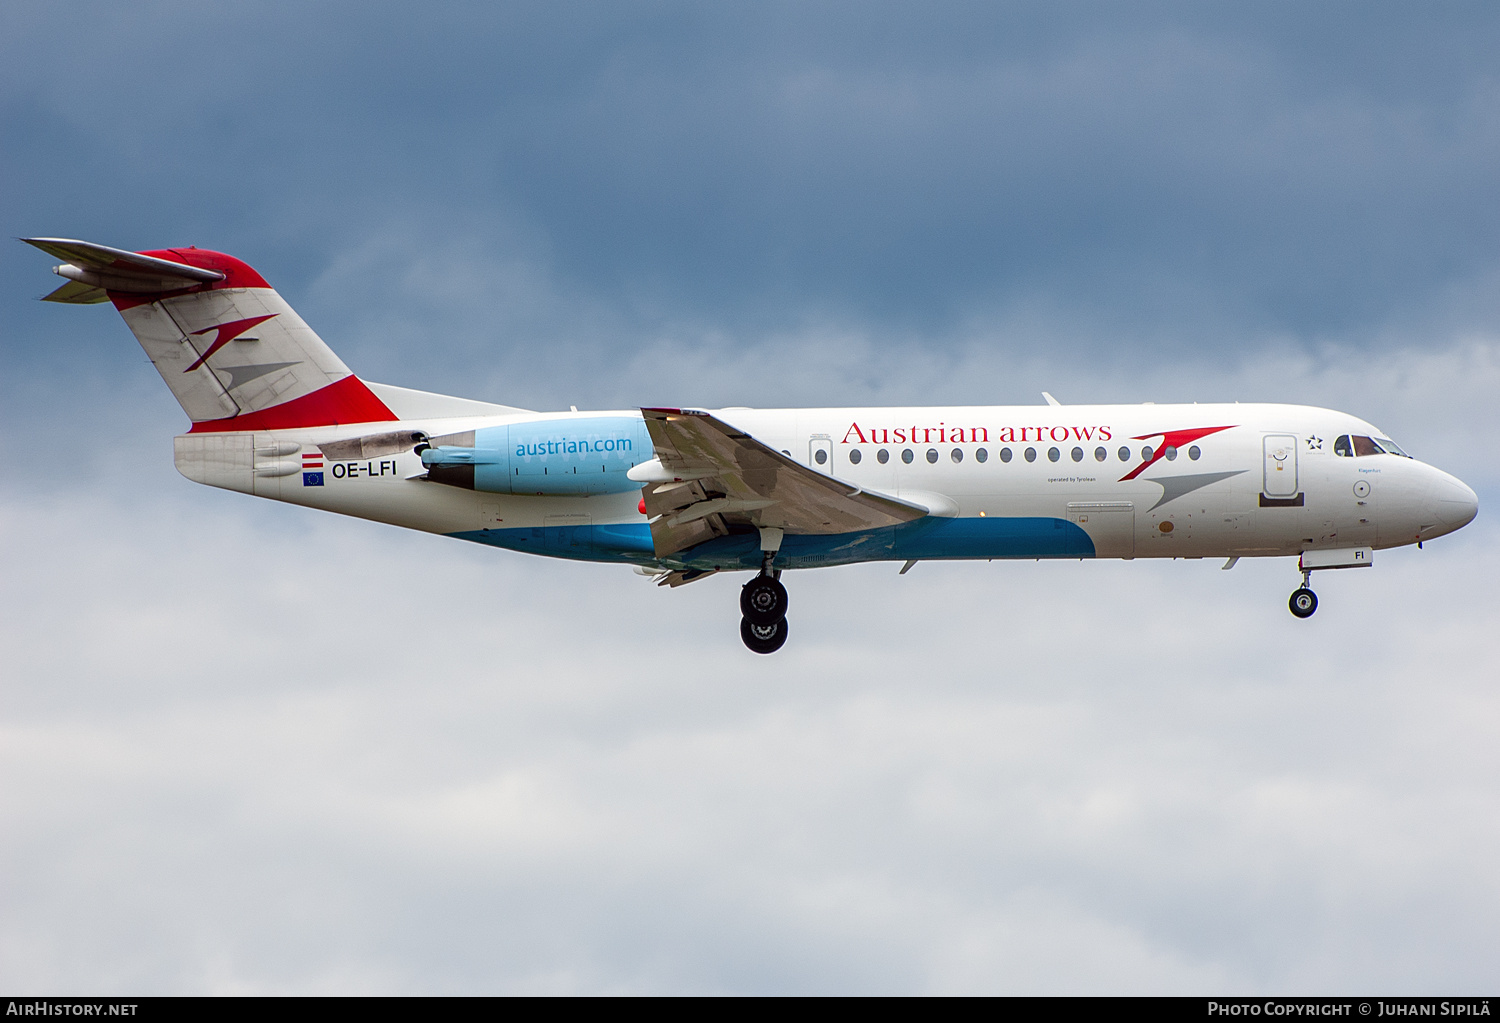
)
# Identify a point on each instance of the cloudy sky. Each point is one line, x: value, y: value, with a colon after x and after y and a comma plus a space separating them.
x: 250, y: 748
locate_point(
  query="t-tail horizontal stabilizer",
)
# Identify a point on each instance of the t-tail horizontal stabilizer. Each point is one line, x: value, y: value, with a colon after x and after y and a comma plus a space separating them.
x: 94, y: 270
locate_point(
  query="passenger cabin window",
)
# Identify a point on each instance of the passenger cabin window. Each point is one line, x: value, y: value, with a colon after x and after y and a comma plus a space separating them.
x: 854, y: 456
x: 882, y: 456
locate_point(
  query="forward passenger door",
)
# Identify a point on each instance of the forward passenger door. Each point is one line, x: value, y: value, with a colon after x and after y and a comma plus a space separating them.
x: 1280, y: 465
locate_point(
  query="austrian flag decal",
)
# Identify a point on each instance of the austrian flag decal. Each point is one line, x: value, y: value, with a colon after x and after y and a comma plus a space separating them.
x: 312, y: 470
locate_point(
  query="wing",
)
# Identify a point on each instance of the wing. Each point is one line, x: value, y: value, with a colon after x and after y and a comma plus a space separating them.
x: 716, y: 476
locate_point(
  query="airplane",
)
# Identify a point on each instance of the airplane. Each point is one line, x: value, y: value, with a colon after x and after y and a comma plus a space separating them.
x: 683, y: 493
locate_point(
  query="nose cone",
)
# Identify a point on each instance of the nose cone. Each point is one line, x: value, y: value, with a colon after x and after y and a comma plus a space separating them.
x: 1452, y: 503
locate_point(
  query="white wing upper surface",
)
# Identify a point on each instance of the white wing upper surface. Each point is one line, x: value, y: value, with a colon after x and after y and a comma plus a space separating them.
x: 723, y: 477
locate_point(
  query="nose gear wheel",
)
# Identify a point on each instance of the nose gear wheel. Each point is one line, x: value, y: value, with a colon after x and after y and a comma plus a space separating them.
x: 1303, y: 602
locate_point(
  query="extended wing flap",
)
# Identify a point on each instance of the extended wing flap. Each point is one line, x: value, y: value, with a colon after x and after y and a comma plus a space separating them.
x: 665, y: 501
x: 727, y: 476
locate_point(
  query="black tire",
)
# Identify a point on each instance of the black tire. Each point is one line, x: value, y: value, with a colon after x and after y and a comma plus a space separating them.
x: 763, y: 639
x: 1303, y: 603
x: 763, y: 601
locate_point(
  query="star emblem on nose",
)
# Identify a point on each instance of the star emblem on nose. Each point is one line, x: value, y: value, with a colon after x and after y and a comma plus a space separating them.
x: 1315, y: 443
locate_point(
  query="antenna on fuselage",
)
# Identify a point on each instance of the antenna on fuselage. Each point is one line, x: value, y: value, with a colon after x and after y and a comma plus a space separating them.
x: 1050, y: 400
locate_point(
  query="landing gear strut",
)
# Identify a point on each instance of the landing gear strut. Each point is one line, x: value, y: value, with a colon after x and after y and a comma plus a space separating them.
x: 1304, y: 601
x: 763, y: 601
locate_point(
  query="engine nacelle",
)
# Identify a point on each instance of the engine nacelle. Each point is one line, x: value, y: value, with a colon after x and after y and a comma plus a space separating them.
x: 575, y: 456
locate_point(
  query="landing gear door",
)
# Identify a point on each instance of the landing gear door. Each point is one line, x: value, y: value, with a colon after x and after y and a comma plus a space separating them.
x: 1281, y: 465
x: 820, y: 453
x: 1109, y: 524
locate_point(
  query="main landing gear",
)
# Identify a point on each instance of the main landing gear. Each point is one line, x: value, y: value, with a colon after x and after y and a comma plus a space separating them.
x: 1304, y: 601
x: 763, y: 601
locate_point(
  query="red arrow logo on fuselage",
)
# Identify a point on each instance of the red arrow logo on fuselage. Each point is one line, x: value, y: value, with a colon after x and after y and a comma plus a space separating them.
x: 1169, y: 439
x: 227, y: 333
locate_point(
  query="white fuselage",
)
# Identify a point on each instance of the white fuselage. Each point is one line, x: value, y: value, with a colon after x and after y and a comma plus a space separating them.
x: 684, y: 493
x: 1135, y: 480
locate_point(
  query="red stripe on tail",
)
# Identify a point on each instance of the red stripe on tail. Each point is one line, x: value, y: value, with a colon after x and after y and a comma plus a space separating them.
x: 343, y: 401
x: 237, y: 274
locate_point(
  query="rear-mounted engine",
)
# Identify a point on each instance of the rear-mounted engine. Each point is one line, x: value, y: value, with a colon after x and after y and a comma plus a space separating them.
x: 561, y: 457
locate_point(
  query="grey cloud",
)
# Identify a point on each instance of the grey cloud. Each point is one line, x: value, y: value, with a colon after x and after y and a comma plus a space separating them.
x: 1042, y: 778
x: 1176, y: 173
x: 252, y: 749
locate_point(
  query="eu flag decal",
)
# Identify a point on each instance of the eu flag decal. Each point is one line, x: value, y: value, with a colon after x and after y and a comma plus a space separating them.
x: 312, y: 479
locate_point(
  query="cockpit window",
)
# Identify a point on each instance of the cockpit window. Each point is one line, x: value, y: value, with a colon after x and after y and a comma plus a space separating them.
x: 1352, y: 446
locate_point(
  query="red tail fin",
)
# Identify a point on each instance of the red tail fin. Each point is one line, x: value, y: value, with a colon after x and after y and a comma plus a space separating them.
x: 233, y: 352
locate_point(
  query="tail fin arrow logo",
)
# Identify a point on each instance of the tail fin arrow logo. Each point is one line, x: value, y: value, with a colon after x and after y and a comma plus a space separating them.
x: 227, y: 333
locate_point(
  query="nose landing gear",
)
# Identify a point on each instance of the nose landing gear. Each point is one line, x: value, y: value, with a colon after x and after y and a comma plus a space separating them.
x: 1303, y: 601
x: 763, y: 601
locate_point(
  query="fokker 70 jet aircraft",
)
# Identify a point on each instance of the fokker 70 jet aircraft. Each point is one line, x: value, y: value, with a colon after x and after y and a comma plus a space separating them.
x: 681, y: 493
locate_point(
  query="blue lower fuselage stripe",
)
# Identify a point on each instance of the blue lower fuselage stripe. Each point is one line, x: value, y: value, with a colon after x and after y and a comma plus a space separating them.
x: 928, y: 539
